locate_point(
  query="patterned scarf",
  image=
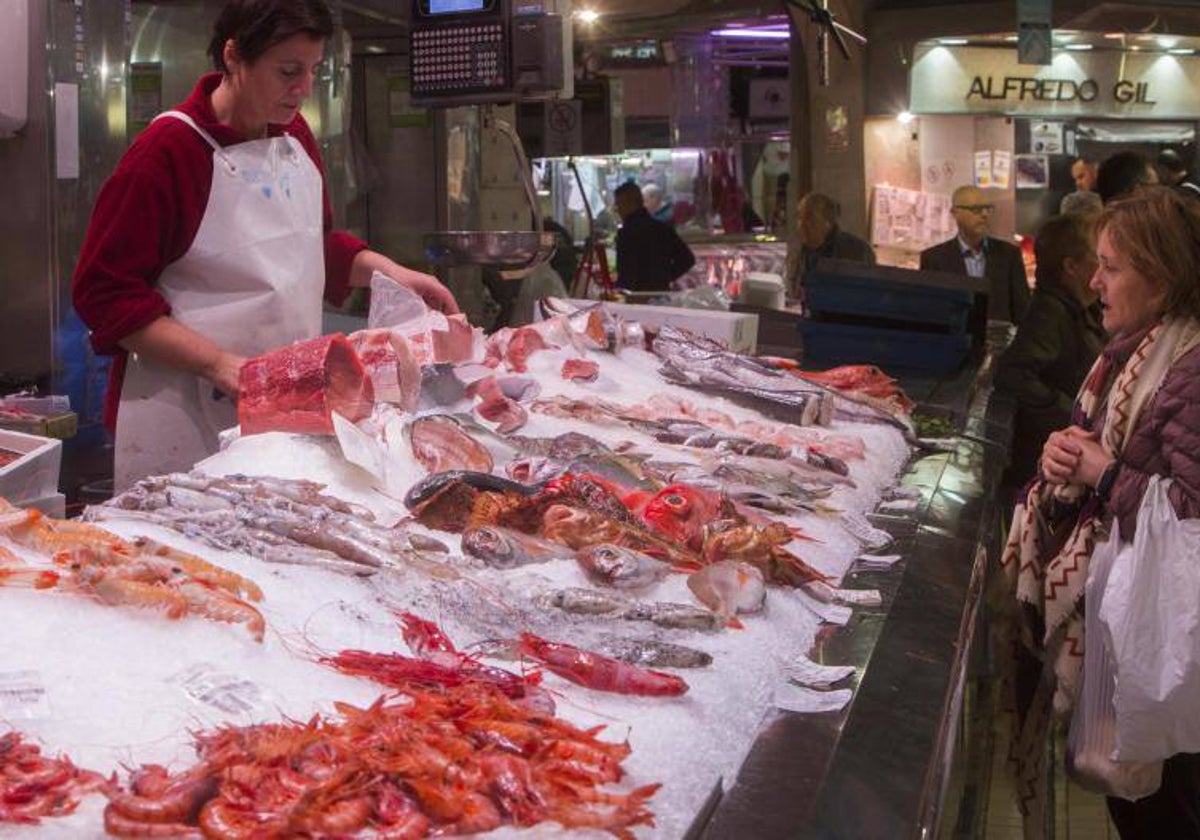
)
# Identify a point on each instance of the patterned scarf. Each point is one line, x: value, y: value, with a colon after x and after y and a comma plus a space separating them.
x: 1054, y: 530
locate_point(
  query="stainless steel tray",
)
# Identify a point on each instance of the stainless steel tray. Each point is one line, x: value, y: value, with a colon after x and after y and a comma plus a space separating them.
x: 506, y: 250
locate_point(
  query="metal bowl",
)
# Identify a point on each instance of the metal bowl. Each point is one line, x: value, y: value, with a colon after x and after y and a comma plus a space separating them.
x: 506, y: 250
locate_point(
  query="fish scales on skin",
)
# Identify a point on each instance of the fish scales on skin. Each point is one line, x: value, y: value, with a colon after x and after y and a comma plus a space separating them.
x: 653, y: 654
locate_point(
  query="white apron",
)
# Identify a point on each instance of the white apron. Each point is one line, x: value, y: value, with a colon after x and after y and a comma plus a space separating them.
x: 252, y: 281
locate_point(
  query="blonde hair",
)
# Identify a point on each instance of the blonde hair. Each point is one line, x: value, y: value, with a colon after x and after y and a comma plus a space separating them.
x: 1158, y: 231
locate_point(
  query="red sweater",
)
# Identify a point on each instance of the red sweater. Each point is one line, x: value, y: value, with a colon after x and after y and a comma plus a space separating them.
x: 148, y: 214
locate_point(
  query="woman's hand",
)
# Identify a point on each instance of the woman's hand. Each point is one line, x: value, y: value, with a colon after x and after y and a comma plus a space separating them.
x: 1093, y: 458
x: 1060, y: 457
x: 1074, y: 456
x: 431, y: 290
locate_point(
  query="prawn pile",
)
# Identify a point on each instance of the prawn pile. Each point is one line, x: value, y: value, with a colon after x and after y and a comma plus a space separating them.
x: 458, y: 760
x: 140, y: 573
x: 33, y: 786
x: 278, y: 521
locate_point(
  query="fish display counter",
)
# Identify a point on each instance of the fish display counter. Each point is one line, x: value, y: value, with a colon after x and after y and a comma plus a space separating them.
x: 910, y: 756
x: 548, y: 580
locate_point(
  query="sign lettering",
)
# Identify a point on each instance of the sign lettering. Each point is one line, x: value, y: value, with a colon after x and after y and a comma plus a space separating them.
x: 1030, y: 89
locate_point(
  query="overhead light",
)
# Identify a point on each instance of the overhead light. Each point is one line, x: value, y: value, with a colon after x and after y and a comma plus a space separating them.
x: 1078, y: 47
x: 1181, y: 51
x: 759, y: 32
x: 1114, y: 36
x: 905, y: 117
x: 1167, y: 42
x: 1012, y: 39
x: 587, y: 16
x: 375, y: 49
x: 953, y: 42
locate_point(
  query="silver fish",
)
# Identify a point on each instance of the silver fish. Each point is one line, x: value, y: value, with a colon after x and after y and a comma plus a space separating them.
x: 652, y: 653
x: 675, y: 616
x: 579, y: 601
x: 503, y: 548
x: 619, y: 567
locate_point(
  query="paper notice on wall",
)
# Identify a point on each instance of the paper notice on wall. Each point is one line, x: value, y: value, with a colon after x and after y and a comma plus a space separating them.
x: 910, y: 219
x: 983, y: 169
x: 1001, y: 168
x: 66, y: 130
x: 1046, y: 138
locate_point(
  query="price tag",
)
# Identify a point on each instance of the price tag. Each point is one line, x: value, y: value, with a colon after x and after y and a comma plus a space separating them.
x: 864, y: 531
x: 228, y: 693
x: 23, y: 696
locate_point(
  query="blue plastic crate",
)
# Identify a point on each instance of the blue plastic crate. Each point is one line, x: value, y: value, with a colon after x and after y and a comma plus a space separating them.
x: 867, y: 297
x: 828, y: 345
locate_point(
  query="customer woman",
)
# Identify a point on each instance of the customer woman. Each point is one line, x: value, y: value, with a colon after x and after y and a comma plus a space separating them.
x: 1056, y: 344
x: 212, y: 241
x: 1137, y: 415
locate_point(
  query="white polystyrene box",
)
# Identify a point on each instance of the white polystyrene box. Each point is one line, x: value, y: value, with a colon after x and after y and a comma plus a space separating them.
x: 736, y: 330
x: 34, y: 475
x: 14, y: 66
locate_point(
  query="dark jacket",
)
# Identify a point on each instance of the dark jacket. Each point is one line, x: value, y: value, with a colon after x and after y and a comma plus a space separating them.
x: 1042, y: 370
x: 839, y: 245
x: 650, y: 254
x: 1004, y: 270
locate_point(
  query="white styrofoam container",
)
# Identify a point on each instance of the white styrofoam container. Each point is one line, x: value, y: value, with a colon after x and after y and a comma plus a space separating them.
x: 14, y: 66
x: 736, y: 330
x: 54, y: 506
x: 34, y: 475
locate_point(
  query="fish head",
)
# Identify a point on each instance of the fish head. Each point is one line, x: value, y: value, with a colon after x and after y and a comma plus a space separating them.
x: 491, y: 545
x: 679, y: 511
x: 608, y: 562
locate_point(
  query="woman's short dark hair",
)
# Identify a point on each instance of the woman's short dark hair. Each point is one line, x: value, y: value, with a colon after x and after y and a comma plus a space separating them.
x: 1121, y: 173
x: 1060, y: 237
x: 255, y: 26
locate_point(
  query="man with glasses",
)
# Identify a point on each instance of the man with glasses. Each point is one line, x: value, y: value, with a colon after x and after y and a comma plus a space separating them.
x: 976, y: 254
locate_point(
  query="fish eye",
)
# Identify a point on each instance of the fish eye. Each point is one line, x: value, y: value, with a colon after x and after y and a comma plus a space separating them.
x: 675, y: 500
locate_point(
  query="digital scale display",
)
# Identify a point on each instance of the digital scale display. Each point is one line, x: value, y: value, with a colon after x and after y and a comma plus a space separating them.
x: 459, y: 48
x: 449, y: 7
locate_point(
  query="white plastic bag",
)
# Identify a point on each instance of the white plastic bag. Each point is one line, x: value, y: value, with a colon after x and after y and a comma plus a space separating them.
x: 1091, y: 742
x: 1151, y: 621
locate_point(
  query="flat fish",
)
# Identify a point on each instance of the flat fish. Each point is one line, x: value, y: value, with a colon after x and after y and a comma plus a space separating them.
x: 504, y: 548
x: 729, y: 587
x: 621, y: 568
x: 653, y: 654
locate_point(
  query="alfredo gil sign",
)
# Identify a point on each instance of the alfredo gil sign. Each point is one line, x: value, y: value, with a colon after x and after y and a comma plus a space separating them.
x: 1096, y: 83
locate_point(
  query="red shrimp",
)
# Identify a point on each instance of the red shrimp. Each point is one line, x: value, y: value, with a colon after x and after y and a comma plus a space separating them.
x: 397, y: 814
x: 176, y: 802
x: 121, y: 825
x: 599, y: 672
x: 510, y: 781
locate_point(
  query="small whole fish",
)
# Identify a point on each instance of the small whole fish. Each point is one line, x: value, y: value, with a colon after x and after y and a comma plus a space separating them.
x: 675, y: 616
x: 621, y: 568
x: 580, y: 601
x: 504, y: 548
x: 653, y: 654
